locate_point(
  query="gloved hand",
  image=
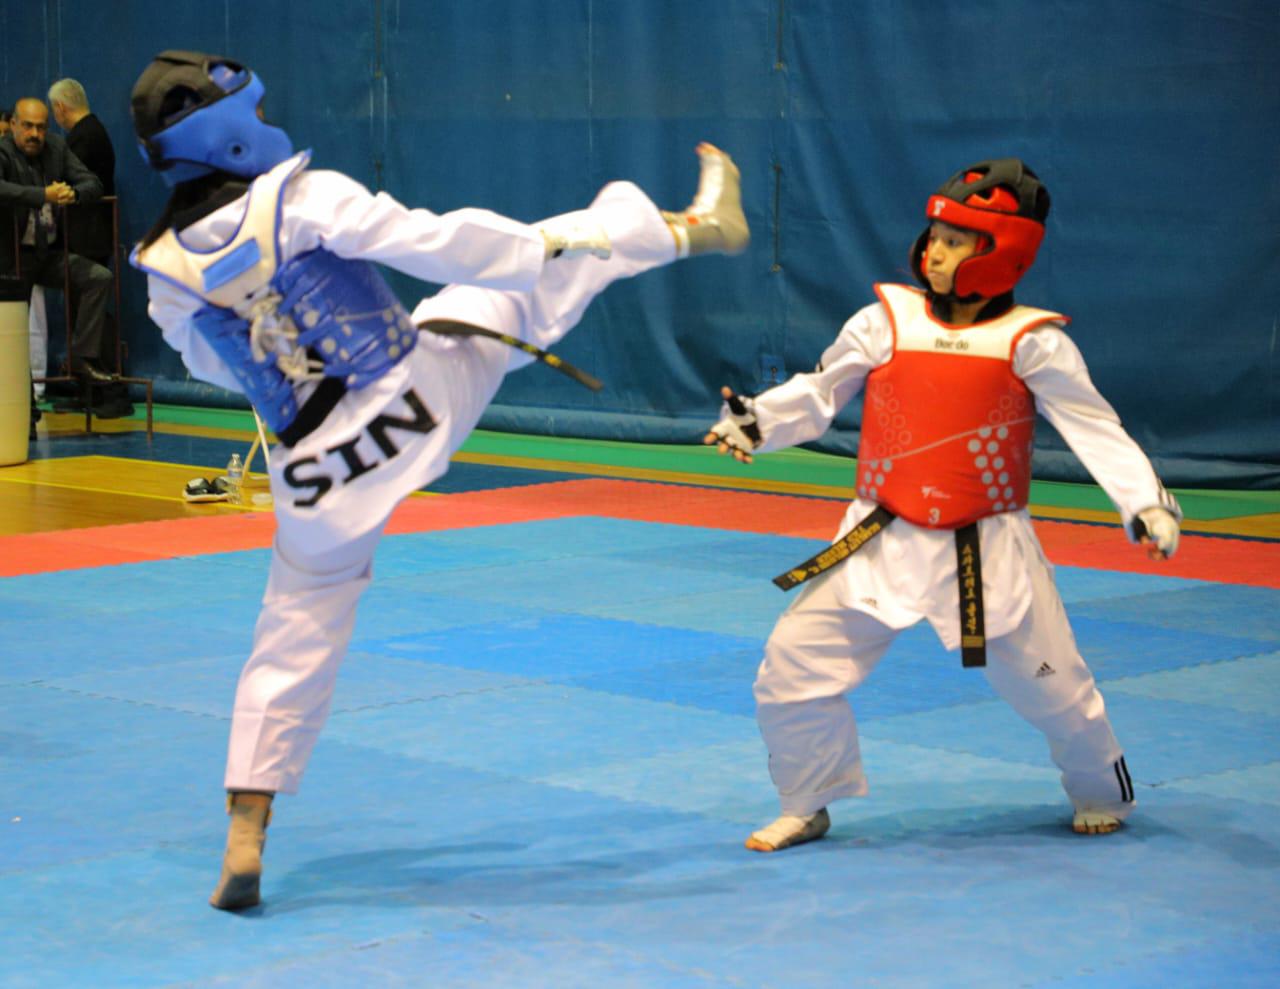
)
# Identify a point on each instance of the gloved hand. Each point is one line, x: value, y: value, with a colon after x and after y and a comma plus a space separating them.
x: 574, y: 234
x: 1157, y: 529
x: 737, y: 430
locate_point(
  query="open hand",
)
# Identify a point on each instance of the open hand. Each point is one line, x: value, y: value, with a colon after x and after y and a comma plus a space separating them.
x: 737, y: 432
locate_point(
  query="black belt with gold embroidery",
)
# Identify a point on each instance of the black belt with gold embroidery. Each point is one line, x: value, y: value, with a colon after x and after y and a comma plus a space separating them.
x: 840, y: 550
x: 973, y: 634
x: 973, y: 639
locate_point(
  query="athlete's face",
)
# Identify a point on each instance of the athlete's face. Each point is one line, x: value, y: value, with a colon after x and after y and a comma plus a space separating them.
x: 947, y: 247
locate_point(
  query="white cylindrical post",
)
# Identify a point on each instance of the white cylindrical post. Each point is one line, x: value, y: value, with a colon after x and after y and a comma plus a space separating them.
x: 15, y: 376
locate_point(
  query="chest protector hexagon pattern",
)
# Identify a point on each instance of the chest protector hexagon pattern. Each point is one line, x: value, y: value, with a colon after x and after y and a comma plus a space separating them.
x: 947, y: 427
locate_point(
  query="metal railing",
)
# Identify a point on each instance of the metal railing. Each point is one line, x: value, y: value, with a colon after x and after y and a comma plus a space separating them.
x: 118, y: 370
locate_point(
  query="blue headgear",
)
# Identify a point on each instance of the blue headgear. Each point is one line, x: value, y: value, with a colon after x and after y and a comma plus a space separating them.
x: 195, y: 114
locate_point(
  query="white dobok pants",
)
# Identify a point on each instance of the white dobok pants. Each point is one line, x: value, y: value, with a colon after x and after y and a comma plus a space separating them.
x: 323, y: 553
x: 821, y: 649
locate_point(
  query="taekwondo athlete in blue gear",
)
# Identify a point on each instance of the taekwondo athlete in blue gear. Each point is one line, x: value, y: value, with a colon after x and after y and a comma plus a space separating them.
x: 260, y: 273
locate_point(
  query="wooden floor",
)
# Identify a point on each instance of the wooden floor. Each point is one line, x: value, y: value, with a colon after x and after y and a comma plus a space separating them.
x: 81, y: 492
x: 77, y: 490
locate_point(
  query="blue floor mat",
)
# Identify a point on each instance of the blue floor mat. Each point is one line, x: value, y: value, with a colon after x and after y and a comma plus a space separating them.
x: 542, y: 760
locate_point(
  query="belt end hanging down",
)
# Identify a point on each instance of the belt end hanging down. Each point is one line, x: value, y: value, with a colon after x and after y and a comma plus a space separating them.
x: 973, y: 650
x: 973, y: 635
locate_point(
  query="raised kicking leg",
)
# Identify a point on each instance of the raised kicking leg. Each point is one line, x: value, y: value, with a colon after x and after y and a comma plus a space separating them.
x: 641, y: 237
x: 714, y: 222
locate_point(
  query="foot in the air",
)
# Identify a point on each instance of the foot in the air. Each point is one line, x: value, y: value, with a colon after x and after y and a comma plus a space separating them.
x: 714, y: 222
x: 789, y: 830
x: 1094, y: 822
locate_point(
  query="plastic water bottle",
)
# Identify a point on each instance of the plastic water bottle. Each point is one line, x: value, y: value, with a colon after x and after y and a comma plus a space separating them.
x: 235, y: 478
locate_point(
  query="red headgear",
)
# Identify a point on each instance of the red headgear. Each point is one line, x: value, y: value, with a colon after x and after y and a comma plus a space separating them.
x: 1001, y: 199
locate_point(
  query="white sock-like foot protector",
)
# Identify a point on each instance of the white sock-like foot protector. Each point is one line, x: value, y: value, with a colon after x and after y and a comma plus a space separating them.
x: 789, y: 830
x: 714, y: 222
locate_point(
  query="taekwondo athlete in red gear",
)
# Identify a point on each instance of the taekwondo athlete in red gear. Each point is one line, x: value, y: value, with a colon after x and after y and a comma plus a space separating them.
x: 953, y: 375
x: 260, y: 275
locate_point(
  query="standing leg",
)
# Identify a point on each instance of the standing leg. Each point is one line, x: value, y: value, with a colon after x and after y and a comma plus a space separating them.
x: 1039, y: 671
x: 300, y: 640
x: 284, y: 693
x: 819, y: 650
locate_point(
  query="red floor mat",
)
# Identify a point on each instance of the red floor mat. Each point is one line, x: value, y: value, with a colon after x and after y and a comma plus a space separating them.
x: 1226, y: 561
x: 1232, y: 561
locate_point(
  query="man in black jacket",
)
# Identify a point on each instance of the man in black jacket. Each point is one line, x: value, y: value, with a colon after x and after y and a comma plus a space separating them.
x: 89, y: 227
x: 37, y: 173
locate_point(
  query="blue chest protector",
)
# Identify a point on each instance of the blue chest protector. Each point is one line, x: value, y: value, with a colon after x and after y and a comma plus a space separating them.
x: 277, y: 325
x: 340, y: 319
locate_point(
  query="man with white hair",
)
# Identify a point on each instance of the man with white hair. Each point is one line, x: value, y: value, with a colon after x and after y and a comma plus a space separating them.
x: 89, y: 227
x: 87, y: 139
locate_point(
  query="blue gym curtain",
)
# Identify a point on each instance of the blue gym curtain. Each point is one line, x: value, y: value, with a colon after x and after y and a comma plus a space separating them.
x: 1153, y: 122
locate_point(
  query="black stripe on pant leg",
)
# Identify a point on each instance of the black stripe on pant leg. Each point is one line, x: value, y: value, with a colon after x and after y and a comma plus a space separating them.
x: 1126, y: 784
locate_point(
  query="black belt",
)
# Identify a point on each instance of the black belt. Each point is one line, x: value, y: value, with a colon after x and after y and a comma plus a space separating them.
x: 453, y: 328
x: 841, y: 549
x: 330, y: 390
x: 314, y: 410
x: 973, y: 641
x: 973, y: 635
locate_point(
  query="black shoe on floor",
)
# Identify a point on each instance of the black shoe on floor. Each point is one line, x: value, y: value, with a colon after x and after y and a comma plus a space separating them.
x: 83, y: 367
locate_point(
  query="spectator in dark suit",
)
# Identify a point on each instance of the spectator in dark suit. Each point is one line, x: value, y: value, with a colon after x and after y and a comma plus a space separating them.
x: 37, y: 173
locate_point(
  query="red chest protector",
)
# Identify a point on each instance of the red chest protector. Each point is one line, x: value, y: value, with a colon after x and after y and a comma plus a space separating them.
x: 947, y: 427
